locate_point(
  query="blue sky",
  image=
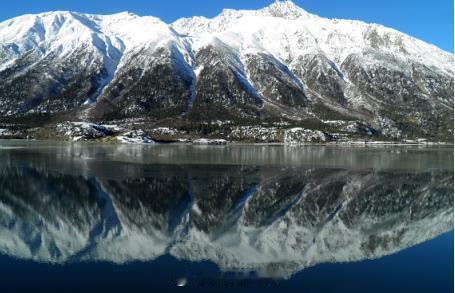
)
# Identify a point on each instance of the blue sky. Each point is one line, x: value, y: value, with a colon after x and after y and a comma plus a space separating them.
x: 431, y: 21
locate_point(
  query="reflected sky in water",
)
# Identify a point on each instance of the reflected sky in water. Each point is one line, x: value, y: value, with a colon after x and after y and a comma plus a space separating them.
x: 234, y: 217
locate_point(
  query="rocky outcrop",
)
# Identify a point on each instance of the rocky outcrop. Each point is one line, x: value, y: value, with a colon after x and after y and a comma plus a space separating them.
x: 256, y: 134
x: 135, y: 137
x: 205, y: 141
x: 302, y: 136
x: 6, y: 133
x: 82, y: 131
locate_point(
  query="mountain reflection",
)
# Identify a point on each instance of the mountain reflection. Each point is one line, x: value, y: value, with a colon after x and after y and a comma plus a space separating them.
x: 275, y: 220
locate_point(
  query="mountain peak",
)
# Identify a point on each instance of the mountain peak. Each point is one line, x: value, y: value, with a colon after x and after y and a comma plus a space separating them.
x: 284, y: 9
x: 123, y: 15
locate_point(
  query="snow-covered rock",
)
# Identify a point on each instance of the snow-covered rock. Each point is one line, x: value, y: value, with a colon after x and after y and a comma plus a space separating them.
x: 301, y: 136
x: 82, y: 130
x: 357, y: 127
x: 5, y: 132
x: 256, y: 134
x: 166, y: 131
x: 388, y: 128
x: 8, y: 133
x: 135, y: 137
x: 206, y: 141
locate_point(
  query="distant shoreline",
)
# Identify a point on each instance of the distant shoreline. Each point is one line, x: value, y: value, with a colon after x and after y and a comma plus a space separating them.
x: 240, y: 143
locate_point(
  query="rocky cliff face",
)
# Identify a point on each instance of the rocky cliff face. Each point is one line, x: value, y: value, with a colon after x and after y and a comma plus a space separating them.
x: 249, y: 67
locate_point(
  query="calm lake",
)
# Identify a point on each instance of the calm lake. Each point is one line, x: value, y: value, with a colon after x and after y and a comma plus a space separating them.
x: 243, y: 218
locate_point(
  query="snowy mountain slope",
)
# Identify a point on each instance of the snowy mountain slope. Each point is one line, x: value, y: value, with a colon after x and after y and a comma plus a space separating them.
x: 291, y: 36
x: 287, y: 31
x: 68, y: 45
x: 63, y: 31
x: 279, y: 62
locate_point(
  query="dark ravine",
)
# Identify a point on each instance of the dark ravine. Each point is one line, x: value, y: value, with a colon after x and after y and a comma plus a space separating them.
x: 377, y: 85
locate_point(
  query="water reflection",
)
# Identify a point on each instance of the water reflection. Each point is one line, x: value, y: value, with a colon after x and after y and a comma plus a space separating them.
x: 88, y: 203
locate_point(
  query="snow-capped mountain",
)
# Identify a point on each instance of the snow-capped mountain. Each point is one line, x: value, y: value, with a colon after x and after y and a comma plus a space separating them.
x: 279, y: 62
x: 276, y: 221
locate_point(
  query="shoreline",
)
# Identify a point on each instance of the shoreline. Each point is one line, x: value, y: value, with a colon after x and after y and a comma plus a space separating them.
x: 240, y: 143
x: 244, y: 135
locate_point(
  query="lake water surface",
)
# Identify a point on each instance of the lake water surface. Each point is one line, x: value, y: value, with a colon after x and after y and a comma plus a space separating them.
x: 123, y: 218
